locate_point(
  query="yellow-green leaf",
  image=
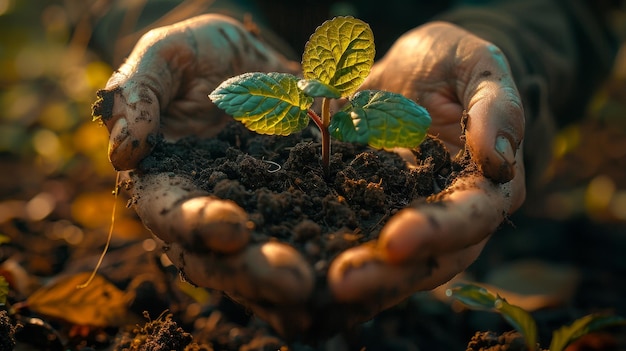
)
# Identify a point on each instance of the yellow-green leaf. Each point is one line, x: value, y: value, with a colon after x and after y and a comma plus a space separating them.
x: 315, y: 88
x: 100, y: 304
x: 473, y: 296
x: 267, y: 103
x: 587, y: 324
x: 479, y: 298
x: 521, y: 320
x: 340, y: 53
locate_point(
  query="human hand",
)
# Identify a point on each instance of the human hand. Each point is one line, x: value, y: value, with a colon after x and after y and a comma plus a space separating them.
x: 163, y: 88
x: 467, y: 87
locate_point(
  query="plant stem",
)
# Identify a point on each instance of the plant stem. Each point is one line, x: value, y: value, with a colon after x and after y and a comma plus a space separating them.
x: 316, y: 119
x: 325, y: 137
x: 323, y: 123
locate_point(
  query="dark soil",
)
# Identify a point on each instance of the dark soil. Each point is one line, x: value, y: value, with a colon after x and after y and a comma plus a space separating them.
x: 490, y: 341
x: 279, y: 182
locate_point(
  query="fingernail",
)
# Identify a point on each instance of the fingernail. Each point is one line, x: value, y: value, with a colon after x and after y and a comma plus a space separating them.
x: 505, y: 149
x: 119, y: 134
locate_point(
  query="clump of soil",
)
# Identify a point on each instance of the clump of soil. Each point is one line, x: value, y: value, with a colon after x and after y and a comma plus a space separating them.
x: 7, y: 331
x: 279, y: 181
x: 162, y: 333
x: 490, y: 341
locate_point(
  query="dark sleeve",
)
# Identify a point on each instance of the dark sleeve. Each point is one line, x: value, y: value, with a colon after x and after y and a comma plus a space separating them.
x: 560, y: 51
x: 565, y: 44
x: 119, y: 24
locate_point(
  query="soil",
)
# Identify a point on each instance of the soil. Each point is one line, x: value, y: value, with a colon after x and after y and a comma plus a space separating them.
x: 279, y: 182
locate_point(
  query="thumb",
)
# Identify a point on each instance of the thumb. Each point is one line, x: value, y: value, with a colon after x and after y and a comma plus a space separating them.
x: 494, y: 118
x: 130, y: 103
x: 132, y: 118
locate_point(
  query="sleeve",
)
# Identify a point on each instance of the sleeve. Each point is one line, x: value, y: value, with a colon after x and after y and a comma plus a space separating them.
x: 119, y: 23
x: 560, y: 51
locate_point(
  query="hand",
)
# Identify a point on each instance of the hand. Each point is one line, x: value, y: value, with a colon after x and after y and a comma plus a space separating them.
x: 452, y: 73
x: 163, y: 88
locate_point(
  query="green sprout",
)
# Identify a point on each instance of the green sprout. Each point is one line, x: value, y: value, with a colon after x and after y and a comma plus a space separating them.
x: 336, y: 60
x: 478, y: 298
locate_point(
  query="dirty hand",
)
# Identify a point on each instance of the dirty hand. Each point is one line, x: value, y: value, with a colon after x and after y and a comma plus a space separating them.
x: 163, y: 88
x: 467, y: 87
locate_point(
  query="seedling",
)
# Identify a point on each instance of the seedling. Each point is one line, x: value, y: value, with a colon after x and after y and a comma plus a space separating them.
x: 336, y: 60
x: 478, y: 298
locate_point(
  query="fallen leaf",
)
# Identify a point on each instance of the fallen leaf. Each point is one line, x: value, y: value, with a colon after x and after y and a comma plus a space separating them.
x: 99, y: 304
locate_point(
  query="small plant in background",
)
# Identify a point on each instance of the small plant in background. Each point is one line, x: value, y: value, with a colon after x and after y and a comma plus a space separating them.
x: 336, y: 60
x: 478, y: 298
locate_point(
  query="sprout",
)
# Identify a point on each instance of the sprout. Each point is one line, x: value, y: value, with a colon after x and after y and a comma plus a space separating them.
x: 336, y: 60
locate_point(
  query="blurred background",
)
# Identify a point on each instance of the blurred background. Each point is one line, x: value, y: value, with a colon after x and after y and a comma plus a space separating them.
x: 562, y: 255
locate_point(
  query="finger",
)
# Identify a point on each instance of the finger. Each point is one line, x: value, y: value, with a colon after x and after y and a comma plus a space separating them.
x: 131, y: 103
x: 495, y: 117
x: 132, y: 116
x: 425, y: 246
x: 362, y: 275
x: 177, y: 212
x: 268, y: 275
x: 462, y: 216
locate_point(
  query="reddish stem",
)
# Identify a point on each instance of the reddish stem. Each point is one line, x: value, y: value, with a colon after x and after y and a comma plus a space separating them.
x: 316, y: 119
x: 323, y: 127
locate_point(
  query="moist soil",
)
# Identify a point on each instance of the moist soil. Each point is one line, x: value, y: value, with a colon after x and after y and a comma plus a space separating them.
x: 279, y: 182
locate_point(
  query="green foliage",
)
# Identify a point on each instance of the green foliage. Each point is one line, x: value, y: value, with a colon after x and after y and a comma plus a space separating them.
x: 521, y: 321
x: 336, y: 60
x: 266, y: 103
x: 315, y: 88
x: 479, y: 298
x: 585, y: 325
x: 381, y: 119
x: 340, y: 53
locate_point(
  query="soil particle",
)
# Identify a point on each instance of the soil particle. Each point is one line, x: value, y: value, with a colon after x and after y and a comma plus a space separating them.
x: 279, y: 182
x: 7, y: 332
x: 103, y: 107
x: 160, y: 334
x: 490, y: 341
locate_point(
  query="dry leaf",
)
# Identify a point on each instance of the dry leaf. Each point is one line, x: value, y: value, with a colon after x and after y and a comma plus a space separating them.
x: 99, y: 304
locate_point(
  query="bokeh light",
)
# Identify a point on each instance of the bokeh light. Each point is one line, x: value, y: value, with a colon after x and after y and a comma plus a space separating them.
x: 40, y: 206
x: 5, y: 6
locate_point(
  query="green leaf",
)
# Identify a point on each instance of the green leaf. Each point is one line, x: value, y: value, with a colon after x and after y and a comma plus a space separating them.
x: 479, y: 298
x: 585, y: 325
x: 381, y: 119
x: 315, y: 88
x: 473, y: 296
x: 340, y: 53
x: 267, y: 103
x: 521, y: 320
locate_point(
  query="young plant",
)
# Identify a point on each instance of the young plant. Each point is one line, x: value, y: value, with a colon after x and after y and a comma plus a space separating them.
x: 336, y: 60
x: 478, y: 298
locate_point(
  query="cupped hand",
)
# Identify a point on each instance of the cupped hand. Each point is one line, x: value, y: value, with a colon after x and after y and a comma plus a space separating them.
x: 467, y: 87
x: 162, y: 89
